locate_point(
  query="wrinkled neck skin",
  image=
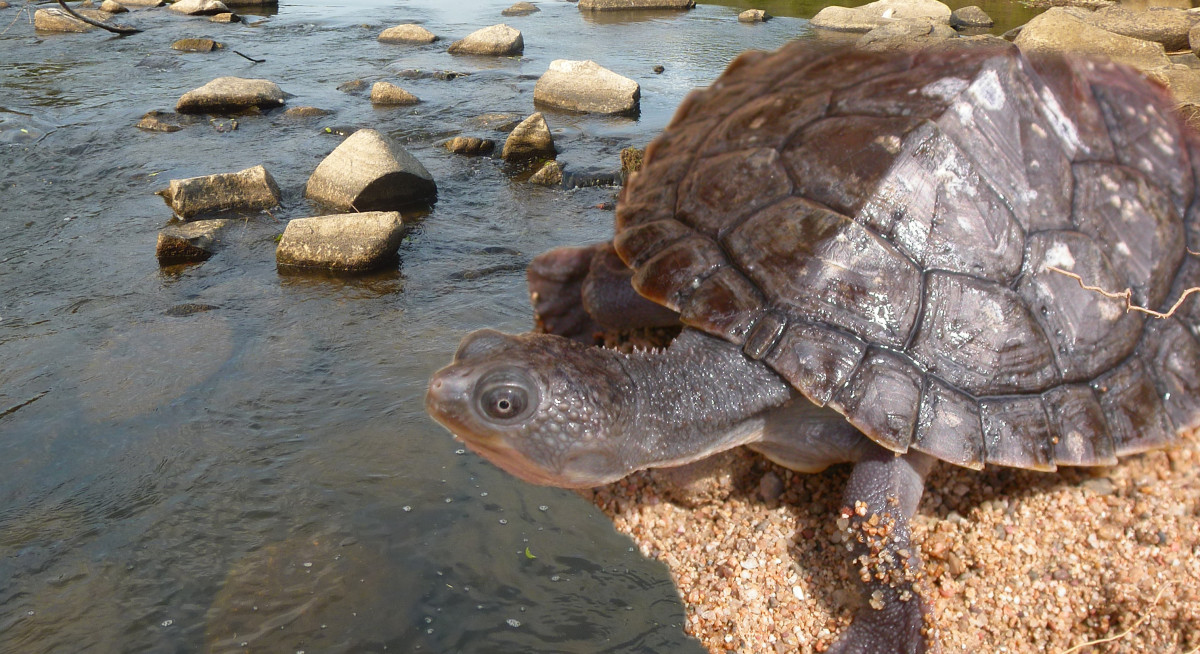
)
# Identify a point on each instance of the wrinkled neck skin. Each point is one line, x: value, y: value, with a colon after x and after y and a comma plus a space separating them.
x: 701, y: 396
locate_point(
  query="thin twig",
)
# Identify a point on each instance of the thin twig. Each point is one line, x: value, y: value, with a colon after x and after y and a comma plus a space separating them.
x: 118, y: 29
x: 257, y: 61
x: 1127, y: 295
x: 1137, y: 623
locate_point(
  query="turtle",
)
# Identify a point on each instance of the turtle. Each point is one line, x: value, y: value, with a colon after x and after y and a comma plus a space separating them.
x: 888, y: 260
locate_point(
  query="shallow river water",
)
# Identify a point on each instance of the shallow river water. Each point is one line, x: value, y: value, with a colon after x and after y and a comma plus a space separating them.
x: 222, y: 457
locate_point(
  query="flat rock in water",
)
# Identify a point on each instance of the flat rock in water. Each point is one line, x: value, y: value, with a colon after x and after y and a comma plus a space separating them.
x: 143, y: 3
x: 970, y: 16
x: 407, y: 33
x: 199, y: 7
x: 251, y: 3
x: 1166, y: 25
x: 470, y: 145
x: 530, y: 139
x: 870, y: 16
x: 586, y: 86
x: 57, y: 20
x: 189, y: 242
x: 225, y: 17
x: 370, y: 171
x: 619, y: 5
x: 196, y: 45
x: 521, y: 9
x: 159, y: 121
x: 550, y: 174
x: 753, y: 16
x: 386, y: 93
x: 351, y: 241
x: 113, y: 7
x: 904, y: 34
x: 306, y: 112
x: 231, y: 94
x: 252, y: 189
x: 497, y: 41
x: 1059, y: 31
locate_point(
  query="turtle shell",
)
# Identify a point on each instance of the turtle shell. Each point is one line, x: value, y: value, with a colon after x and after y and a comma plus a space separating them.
x: 887, y: 232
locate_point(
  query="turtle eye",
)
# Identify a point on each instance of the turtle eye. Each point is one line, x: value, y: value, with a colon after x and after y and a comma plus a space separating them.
x: 506, y: 396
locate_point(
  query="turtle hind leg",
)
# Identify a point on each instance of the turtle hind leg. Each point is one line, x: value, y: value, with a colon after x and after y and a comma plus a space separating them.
x: 580, y: 292
x: 880, y: 500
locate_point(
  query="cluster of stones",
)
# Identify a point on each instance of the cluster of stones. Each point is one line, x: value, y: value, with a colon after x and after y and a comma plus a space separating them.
x: 54, y: 19
x: 1142, y: 39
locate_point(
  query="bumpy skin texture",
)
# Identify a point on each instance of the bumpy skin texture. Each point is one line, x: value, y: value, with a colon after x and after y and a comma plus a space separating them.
x: 878, y: 228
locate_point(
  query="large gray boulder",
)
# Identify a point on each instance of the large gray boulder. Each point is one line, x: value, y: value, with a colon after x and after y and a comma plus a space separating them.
x: 870, y: 16
x: 497, y: 41
x: 586, y: 86
x: 1060, y: 31
x: 619, y: 5
x: 352, y: 241
x: 189, y: 242
x: 530, y: 139
x: 231, y: 94
x: 370, y: 171
x: 252, y: 189
x: 1166, y: 25
x: 407, y: 33
x: 970, y: 16
x: 199, y: 7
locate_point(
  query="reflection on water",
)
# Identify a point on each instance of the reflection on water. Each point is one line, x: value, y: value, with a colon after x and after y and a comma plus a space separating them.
x: 204, y: 456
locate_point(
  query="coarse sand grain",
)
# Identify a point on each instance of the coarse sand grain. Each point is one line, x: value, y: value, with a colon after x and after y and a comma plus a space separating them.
x: 1014, y: 561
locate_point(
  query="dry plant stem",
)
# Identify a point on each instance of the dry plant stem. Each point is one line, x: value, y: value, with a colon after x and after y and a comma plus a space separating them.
x: 1127, y: 294
x: 118, y: 29
x: 1133, y: 627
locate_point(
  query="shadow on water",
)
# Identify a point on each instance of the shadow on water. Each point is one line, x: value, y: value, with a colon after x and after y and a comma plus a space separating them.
x: 219, y: 456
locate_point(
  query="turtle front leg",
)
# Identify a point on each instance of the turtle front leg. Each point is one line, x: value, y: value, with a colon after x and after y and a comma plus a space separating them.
x: 879, y: 502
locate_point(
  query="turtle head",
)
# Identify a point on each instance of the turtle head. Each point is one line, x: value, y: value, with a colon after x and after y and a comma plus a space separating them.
x: 541, y: 407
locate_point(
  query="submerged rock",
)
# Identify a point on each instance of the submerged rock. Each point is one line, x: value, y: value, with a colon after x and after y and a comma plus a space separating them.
x: 521, y: 9
x: 352, y: 241
x: 306, y: 112
x: 199, y: 7
x: 497, y: 40
x: 631, y: 159
x: 618, y: 5
x: 870, y: 16
x: 231, y: 94
x: 190, y: 242
x: 529, y: 140
x: 227, y: 17
x: 1058, y: 31
x: 550, y: 174
x: 386, y: 93
x: 470, y: 145
x: 407, y: 33
x: 370, y: 171
x: 251, y: 189
x: 159, y: 121
x: 586, y: 86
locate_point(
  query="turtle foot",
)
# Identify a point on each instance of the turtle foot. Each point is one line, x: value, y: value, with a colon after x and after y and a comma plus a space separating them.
x: 555, y: 280
x: 898, y: 628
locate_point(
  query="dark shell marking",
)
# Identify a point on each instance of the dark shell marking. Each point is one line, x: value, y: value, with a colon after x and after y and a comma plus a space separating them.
x: 878, y: 227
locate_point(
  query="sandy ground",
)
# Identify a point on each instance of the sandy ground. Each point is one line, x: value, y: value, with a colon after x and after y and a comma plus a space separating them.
x: 1014, y: 561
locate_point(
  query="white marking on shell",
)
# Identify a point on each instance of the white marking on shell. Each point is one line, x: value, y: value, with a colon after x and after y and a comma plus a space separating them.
x: 945, y: 89
x: 1123, y: 248
x: 965, y: 112
x: 889, y: 142
x: 1162, y: 139
x: 1059, y: 122
x: 1059, y: 256
x: 1147, y: 165
x: 1037, y: 130
x: 988, y: 92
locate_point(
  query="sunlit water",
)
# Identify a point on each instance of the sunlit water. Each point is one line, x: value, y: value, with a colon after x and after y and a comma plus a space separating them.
x: 261, y: 475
